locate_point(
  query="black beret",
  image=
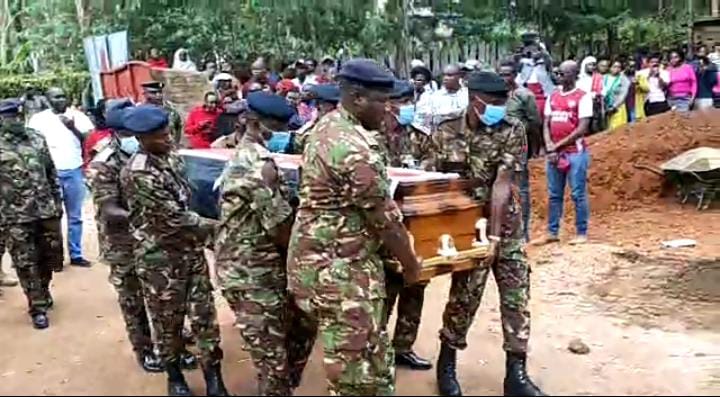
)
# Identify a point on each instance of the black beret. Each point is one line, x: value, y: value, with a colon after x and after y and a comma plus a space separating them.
x: 10, y: 106
x: 144, y: 119
x: 367, y: 73
x: 270, y: 105
x: 402, y: 89
x: 115, y: 110
x: 487, y: 82
x: 156, y: 85
x: 326, y: 92
x: 421, y: 70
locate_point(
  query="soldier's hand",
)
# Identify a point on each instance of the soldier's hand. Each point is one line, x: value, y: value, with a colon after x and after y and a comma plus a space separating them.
x: 269, y: 174
x: 411, y: 274
x: 493, y: 251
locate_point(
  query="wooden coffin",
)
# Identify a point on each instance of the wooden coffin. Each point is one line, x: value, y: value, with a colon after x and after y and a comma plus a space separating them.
x: 447, y: 227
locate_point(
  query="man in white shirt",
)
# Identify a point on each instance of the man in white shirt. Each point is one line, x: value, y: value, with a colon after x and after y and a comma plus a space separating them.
x: 452, y: 99
x: 64, y: 130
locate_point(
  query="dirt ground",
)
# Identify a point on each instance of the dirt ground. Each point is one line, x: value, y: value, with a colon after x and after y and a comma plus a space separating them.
x: 651, y: 318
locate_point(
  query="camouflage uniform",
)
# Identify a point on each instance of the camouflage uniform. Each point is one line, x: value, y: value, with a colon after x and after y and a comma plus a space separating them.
x: 175, y: 125
x: 409, y: 299
x: 169, y: 255
x: 490, y: 148
x: 116, y: 244
x: 252, y: 271
x: 334, y: 270
x: 448, y: 143
x: 30, y: 211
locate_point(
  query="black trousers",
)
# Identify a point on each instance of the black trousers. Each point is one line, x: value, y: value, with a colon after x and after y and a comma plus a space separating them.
x: 653, y: 108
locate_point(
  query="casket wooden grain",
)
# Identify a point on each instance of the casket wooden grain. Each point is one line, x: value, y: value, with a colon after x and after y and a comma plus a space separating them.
x: 436, y: 208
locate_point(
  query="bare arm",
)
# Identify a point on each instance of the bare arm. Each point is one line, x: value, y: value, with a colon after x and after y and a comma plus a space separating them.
x: 500, y: 200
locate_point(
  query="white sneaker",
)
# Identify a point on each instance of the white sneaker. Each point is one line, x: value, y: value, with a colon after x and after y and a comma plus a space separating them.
x: 579, y: 240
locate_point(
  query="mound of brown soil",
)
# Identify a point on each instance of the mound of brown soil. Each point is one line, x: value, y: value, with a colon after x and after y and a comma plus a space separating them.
x: 614, y: 183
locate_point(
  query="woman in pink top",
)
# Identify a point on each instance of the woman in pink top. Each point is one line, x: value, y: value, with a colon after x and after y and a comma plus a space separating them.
x: 683, y: 83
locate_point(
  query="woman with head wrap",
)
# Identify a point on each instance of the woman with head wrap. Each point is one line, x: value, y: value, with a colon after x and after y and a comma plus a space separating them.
x: 590, y: 81
x: 181, y: 61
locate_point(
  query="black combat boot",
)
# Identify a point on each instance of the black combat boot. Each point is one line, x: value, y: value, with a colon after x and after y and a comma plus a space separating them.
x: 214, y: 381
x: 413, y: 361
x: 188, y: 361
x: 150, y: 362
x: 40, y: 321
x: 177, y: 386
x: 517, y: 382
x: 446, y: 376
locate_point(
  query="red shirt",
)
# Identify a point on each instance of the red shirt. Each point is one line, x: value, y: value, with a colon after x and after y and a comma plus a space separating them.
x: 200, y: 127
x: 157, y: 63
x: 564, y: 110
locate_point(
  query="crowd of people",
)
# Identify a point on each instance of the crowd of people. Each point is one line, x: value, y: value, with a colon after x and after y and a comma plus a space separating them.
x: 294, y: 269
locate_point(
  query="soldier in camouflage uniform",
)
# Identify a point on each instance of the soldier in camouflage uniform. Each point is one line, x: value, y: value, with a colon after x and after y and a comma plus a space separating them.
x: 334, y: 270
x: 116, y: 242
x: 153, y: 93
x: 495, y: 145
x: 169, y: 251
x: 251, y: 252
x: 395, y: 147
x: 30, y: 209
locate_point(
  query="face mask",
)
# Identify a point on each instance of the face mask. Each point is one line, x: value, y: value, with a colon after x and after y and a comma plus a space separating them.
x: 493, y: 114
x: 406, y: 114
x: 129, y: 145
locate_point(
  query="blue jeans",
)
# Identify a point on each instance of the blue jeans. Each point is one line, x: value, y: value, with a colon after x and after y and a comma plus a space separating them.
x: 577, y: 178
x: 72, y: 185
x: 524, y: 187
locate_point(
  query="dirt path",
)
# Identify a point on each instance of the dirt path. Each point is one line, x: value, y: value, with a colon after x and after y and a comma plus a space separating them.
x: 645, y: 335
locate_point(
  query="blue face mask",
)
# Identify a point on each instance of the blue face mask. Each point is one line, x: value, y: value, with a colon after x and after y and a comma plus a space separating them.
x: 129, y: 144
x: 406, y: 114
x: 493, y: 114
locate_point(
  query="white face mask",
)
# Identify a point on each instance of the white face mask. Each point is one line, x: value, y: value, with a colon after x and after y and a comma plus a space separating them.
x: 129, y: 144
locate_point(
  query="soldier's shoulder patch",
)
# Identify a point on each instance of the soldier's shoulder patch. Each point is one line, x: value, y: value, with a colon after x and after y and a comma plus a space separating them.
x: 139, y: 162
x: 104, y: 155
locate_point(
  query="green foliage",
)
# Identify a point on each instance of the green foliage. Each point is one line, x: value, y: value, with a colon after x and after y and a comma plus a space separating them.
x: 49, y: 33
x: 72, y: 82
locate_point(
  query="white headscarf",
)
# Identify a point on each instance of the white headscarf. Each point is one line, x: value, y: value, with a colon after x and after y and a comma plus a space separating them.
x: 183, y: 65
x: 584, y: 81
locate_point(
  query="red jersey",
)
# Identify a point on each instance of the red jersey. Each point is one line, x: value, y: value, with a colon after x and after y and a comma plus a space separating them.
x: 565, y: 109
x: 201, y: 126
x: 157, y: 63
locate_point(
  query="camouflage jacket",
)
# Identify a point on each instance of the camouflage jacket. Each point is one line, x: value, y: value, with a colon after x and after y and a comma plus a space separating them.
x: 333, y: 252
x: 448, y: 142
x: 251, y: 211
x: 29, y: 189
x: 175, y: 124
x: 489, y: 149
x: 158, y: 196
x: 104, y: 179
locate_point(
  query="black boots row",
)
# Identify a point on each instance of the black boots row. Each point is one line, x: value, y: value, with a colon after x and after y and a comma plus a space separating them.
x: 517, y: 382
x: 177, y: 386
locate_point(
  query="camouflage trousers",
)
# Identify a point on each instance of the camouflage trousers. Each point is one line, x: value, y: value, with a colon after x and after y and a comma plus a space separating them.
x: 176, y: 285
x: 358, y: 358
x: 124, y: 278
x: 512, y: 275
x: 409, y: 310
x: 277, y: 334
x: 28, y: 250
